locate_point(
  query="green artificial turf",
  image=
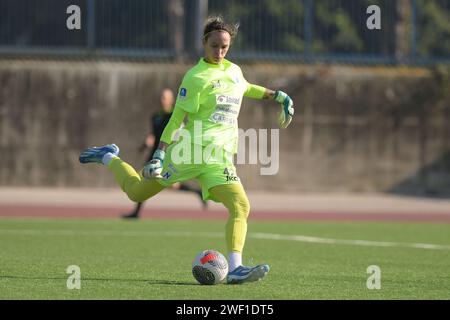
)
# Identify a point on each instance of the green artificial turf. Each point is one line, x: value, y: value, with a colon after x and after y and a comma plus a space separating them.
x: 151, y: 259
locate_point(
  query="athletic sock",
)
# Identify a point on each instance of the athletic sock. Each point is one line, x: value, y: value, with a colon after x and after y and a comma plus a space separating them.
x: 107, y: 158
x: 234, y: 260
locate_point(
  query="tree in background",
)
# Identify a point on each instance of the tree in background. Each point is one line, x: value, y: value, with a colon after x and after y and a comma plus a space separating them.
x: 433, y: 30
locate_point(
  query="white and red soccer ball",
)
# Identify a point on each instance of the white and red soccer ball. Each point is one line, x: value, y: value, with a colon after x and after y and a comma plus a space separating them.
x: 210, y: 267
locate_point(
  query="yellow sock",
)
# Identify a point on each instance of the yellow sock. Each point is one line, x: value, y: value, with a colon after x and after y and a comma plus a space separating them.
x: 234, y: 198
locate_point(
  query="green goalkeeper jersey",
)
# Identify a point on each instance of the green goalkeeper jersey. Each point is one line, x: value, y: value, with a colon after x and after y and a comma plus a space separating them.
x: 211, y: 95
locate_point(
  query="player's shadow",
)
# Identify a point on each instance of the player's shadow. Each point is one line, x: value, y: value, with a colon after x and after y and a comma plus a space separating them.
x: 171, y: 282
x: 430, y: 181
x: 152, y: 282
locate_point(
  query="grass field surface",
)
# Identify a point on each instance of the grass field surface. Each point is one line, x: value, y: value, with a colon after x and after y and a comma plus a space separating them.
x: 151, y: 259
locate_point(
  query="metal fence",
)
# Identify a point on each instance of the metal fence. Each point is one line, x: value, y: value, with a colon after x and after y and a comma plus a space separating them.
x: 412, y: 31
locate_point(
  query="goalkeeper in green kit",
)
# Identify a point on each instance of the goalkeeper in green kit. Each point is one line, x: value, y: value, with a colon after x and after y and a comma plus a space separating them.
x: 210, y: 96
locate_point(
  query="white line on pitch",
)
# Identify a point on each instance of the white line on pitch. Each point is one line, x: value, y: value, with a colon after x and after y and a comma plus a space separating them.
x: 263, y: 236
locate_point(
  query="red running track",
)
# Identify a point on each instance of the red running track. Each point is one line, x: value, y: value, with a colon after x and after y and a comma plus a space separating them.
x: 115, y: 212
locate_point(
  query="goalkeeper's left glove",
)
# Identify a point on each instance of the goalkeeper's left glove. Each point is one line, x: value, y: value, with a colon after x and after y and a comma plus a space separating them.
x: 287, y: 109
x: 153, y: 168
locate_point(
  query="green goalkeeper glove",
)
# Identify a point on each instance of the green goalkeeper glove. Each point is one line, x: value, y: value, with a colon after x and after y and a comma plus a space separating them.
x: 287, y: 109
x: 153, y: 168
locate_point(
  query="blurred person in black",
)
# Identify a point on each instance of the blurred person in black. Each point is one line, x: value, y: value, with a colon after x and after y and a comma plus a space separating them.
x: 158, y: 122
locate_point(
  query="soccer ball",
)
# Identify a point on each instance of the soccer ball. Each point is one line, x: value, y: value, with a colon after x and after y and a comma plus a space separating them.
x: 210, y: 267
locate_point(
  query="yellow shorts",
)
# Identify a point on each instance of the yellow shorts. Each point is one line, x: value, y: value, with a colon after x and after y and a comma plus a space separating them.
x: 210, y: 169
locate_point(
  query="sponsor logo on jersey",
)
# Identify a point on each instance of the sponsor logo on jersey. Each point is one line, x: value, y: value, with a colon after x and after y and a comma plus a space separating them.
x: 227, y: 109
x: 224, y: 99
x: 215, y: 84
x: 220, y: 118
x: 183, y: 93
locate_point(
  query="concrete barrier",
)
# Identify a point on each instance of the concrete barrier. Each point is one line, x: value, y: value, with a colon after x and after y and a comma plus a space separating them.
x: 355, y: 129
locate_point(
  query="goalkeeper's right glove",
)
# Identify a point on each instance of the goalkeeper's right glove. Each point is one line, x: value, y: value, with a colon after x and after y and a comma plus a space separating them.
x: 153, y: 168
x: 287, y: 109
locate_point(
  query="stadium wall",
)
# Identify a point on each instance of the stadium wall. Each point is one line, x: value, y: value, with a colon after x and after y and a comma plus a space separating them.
x: 357, y: 129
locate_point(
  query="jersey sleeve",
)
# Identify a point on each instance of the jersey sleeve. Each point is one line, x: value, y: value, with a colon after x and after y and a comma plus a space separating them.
x: 254, y: 91
x: 188, y: 95
x: 173, y: 125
